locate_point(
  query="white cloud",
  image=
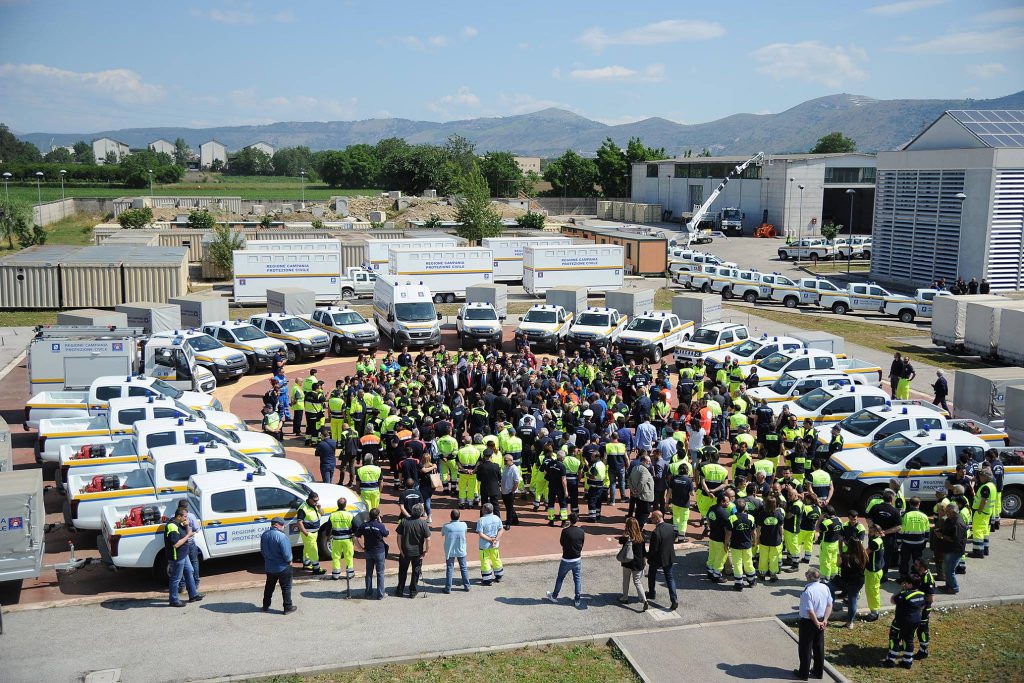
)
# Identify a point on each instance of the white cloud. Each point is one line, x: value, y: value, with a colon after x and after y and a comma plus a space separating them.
x: 668, y: 31
x: 970, y: 42
x: 1009, y: 15
x: 651, y: 73
x: 453, y: 105
x: 811, y: 61
x: 420, y: 44
x: 122, y: 86
x: 893, y: 9
x: 990, y: 70
x: 470, y: 32
x: 523, y: 46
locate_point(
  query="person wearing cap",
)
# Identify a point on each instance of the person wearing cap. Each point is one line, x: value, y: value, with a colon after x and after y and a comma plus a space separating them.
x: 276, y: 548
x: 835, y: 444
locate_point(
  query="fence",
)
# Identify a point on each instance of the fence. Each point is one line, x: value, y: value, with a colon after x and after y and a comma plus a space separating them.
x: 564, y: 206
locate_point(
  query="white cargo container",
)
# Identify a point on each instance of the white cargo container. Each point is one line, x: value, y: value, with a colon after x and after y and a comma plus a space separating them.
x: 152, y: 316
x: 377, y: 250
x: 22, y: 523
x: 508, y: 254
x: 256, y: 272
x: 631, y: 302
x: 445, y: 271
x: 92, y: 316
x: 1013, y: 408
x: 197, y: 309
x: 6, y: 457
x: 981, y: 394
x: 599, y: 268
x: 484, y: 293
x: 326, y: 244
x: 291, y: 300
x: 572, y: 299
x: 702, y: 309
x: 982, y: 325
x: 1011, y: 337
x: 949, y: 318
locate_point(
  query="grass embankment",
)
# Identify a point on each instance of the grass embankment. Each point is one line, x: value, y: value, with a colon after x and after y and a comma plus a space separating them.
x: 246, y: 187
x: 980, y: 645
x: 565, y: 664
x: 75, y: 229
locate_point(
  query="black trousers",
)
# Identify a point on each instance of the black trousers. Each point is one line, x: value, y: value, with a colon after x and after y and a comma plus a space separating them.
x: 297, y: 422
x: 812, y: 645
x: 643, y: 511
x: 511, y: 518
x: 285, y: 579
x: 403, y: 570
x: 574, y: 494
x: 493, y: 500
x: 659, y: 499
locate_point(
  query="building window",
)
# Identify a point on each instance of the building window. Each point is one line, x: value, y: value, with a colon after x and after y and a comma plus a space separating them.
x: 629, y: 250
x: 751, y: 173
x: 858, y: 174
x: 682, y: 171
x: 652, y: 170
x: 698, y: 171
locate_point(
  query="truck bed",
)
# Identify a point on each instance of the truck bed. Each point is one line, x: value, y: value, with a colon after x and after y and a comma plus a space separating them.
x: 54, y: 405
x: 141, y: 544
x: 852, y: 366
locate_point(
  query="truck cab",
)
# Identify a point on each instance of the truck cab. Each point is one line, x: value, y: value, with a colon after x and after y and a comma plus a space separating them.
x: 859, y: 297
x: 173, y: 360
x: 598, y: 326
x: 775, y: 365
x: 859, y: 246
x: 405, y: 312
x: 169, y: 432
x: 782, y: 289
x: 678, y: 256
x: 749, y: 285
x: 544, y: 326
x: 753, y: 350
x: 357, y: 282
x: 730, y: 222
x: 790, y: 386
x: 703, y: 278
x: 653, y: 334
x: 348, y: 330
x: 906, y: 308
x: 478, y: 323
x: 301, y: 340
x: 711, y: 337
x: 812, y: 249
x: 833, y: 405
x: 259, y: 349
x: 211, y: 354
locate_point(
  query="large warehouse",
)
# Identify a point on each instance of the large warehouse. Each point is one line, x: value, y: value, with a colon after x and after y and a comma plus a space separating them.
x: 679, y: 185
x: 951, y: 203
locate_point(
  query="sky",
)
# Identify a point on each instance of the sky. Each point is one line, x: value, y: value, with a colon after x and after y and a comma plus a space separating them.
x: 85, y: 66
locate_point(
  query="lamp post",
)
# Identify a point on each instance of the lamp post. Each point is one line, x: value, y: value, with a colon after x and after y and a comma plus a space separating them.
x: 302, y: 175
x: 7, y: 190
x: 63, y: 208
x: 789, y: 210
x: 849, y: 257
x: 800, y: 227
x: 150, y: 172
x: 961, y: 197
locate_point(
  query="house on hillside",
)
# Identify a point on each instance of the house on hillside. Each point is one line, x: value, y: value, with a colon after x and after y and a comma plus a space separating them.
x: 212, y: 151
x: 162, y: 145
x: 527, y: 164
x: 101, y: 147
x: 262, y: 146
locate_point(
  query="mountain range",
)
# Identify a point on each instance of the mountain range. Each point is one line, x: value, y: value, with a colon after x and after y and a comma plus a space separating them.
x: 874, y: 125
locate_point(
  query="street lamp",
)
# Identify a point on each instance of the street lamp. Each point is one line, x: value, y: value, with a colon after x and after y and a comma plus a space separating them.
x: 63, y: 209
x: 961, y: 197
x: 849, y: 257
x: 302, y: 174
x: 7, y: 190
x: 39, y: 191
x: 800, y: 227
x: 150, y: 172
x: 789, y: 210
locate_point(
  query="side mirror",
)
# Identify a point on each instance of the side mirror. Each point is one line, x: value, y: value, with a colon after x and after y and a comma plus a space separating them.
x: 458, y: 317
x: 913, y: 464
x: 391, y: 317
x: 520, y: 318
x: 501, y: 317
x: 439, y: 315
x: 826, y: 411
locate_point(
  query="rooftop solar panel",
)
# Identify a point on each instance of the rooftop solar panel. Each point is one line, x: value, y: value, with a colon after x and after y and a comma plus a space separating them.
x: 995, y: 127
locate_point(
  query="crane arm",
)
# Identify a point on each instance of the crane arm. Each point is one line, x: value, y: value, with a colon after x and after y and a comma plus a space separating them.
x: 698, y: 215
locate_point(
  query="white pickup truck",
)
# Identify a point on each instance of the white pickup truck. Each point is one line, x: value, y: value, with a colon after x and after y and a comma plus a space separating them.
x: 858, y: 297
x: 906, y: 308
x: 813, y: 249
x: 777, y: 364
x: 225, y: 363
x: 117, y: 423
x: 357, y: 282
x: 859, y: 245
x: 811, y: 289
x: 162, y: 475
x: 677, y: 258
x: 302, y: 340
x: 832, y: 405
x: 478, y: 323
x: 544, y: 325
x: 234, y: 509
x: 753, y: 350
x: 709, y: 338
x: 653, y: 334
x: 347, y: 329
x: 790, y: 386
x: 596, y: 326
x: 52, y: 405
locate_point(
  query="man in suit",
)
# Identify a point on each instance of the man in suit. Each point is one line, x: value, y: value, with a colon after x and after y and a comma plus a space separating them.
x: 661, y: 554
x: 502, y: 403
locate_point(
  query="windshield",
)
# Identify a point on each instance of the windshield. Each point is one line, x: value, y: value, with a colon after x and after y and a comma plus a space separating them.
x: 481, y: 314
x: 783, y: 384
x: 779, y: 280
x: 415, y: 313
x: 813, y: 399
x: 300, y: 491
x: 248, y: 333
x: 703, y: 336
x: 894, y: 449
x: 348, y: 318
x: 223, y: 434
x: 746, y: 348
x: 593, y: 319
x: 165, y: 389
x: 644, y: 325
x: 536, y: 316
x: 862, y: 423
x: 204, y: 342
x: 293, y: 324
x: 188, y: 411
x: 774, y: 362
x: 731, y: 214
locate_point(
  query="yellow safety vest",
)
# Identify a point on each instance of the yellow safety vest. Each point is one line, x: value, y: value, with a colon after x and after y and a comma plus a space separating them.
x: 369, y: 476
x: 341, y: 525
x: 336, y: 407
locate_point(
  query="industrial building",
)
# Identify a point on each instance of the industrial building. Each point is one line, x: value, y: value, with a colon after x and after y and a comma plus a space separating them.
x: 210, y: 152
x: 951, y: 203
x: 262, y: 146
x: 786, y: 190
x: 163, y: 146
x: 103, y: 146
x: 527, y: 164
x: 645, y: 254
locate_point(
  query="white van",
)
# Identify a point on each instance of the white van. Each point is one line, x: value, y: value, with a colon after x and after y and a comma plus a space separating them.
x: 405, y: 311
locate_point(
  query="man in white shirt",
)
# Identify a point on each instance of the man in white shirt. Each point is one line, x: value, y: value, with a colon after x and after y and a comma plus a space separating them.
x: 511, y: 478
x: 815, y: 609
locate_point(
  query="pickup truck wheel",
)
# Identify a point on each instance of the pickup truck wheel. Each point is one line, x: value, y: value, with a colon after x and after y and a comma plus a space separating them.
x: 656, y: 354
x: 727, y: 292
x: 866, y: 254
x: 873, y: 493
x: 906, y: 316
x: 790, y: 302
x: 750, y: 297
x: 159, y: 570
x: 293, y: 354
x: 706, y: 288
x: 839, y: 308
x: 1013, y: 499
x: 686, y: 337
x: 784, y: 255
x: 347, y: 293
x: 336, y: 347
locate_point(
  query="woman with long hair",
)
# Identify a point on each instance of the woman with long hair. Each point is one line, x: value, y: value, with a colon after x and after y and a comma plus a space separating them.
x: 852, y: 562
x: 633, y: 567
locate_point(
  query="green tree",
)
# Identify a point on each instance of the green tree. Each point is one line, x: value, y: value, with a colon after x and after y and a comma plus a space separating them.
x: 220, y: 252
x: 503, y: 175
x: 830, y: 230
x: 834, y: 143
x: 60, y: 155
x: 531, y: 221
x: 12, y: 149
x: 132, y: 219
x: 251, y: 161
x: 135, y: 169
x: 83, y: 153
x: 182, y: 152
x: 29, y: 235
x: 110, y: 158
x: 216, y: 166
x: 433, y: 222
x: 704, y: 153
x: 612, y: 169
x: 473, y: 208
x: 14, y: 219
x: 571, y: 175
x: 288, y: 161
x: 317, y: 224
x: 266, y: 221
x: 201, y: 219
x: 461, y: 152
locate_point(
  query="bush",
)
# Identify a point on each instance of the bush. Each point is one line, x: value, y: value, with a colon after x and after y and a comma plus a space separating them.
x: 201, y: 219
x: 220, y: 251
x: 132, y: 219
x: 318, y: 224
x: 433, y: 223
x: 29, y: 235
x: 531, y: 221
x: 266, y: 222
x: 830, y: 230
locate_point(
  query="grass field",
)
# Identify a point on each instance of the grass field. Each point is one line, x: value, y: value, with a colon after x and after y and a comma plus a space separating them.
x: 980, y: 645
x: 246, y: 187
x: 555, y: 664
x: 75, y: 229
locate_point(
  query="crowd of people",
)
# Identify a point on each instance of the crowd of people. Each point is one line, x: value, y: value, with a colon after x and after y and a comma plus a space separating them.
x: 496, y: 431
x: 961, y: 287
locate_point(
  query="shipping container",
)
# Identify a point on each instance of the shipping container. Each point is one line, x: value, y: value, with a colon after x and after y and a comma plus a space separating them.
x: 197, y: 309
x: 1013, y: 414
x: 618, y: 211
x: 152, y: 316
x: 255, y: 272
x: 599, y: 268
x: 1011, y: 337
x: 446, y: 271
x: 92, y: 317
x: 982, y: 323
x: 21, y: 507
x: 981, y: 394
x: 31, y: 277
x: 377, y: 250
x: 485, y: 293
x: 572, y: 299
x: 142, y: 238
x: 949, y: 318
x: 630, y: 302
x: 823, y: 341
x: 508, y: 254
x: 291, y: 300
x: 92, y: 277
x: 155, y: 274
x: 702, y: 309
x: 6, y: 451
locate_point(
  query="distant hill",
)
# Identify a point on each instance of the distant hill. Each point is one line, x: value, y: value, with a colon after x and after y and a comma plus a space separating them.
x: 874, y: 124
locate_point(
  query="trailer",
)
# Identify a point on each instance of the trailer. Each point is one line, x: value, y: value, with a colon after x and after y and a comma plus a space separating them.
x: 22, y: 518
x: 326, y: 244
x: 377, y: 251
x: 508, y: 254
x: 599, y: 267
x: 949, y: 319
x: 257, y: 271
x: 446, y: 272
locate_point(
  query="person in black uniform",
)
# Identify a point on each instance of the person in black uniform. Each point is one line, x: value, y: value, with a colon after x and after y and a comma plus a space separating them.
x: 909, y: 603
x: 558, y: 489
x: 739, y: 537
x: 885, y: 515
x: 718, y: 519
x: 925, y: 583
x: 682, y: 491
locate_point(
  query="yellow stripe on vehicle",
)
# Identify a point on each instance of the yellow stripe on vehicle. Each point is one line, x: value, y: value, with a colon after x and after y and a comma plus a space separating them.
x: 125, y: 493
x: 241, y: 347
x: 115, y: 460
x: 53, y: 406
x: 90, y: 432
x: 47, y: 380
x: 287, y: 337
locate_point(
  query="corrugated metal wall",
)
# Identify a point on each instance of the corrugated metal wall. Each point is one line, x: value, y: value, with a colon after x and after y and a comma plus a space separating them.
x: 152, y: 282
x: 29, y: 286
x: 91, y: 286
